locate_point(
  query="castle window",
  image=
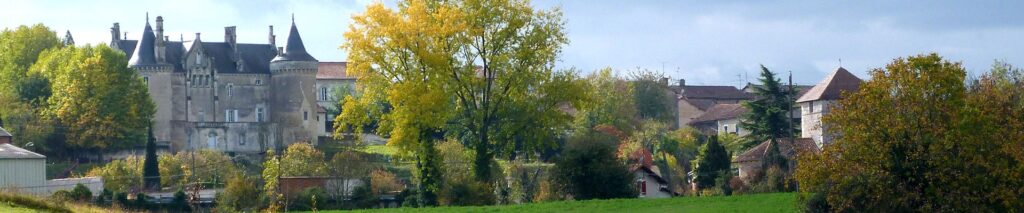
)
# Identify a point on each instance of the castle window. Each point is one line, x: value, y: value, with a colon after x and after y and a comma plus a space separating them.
x: 145, y: 79
x: 231, y: 87
x: 305, y: 115
x: 241, y: 140
x: 231, y: 115
x: 259, y: 114
x: 323, y: 93
x: 259, y: 82
x: 199, y: 58
x: 202, y: 115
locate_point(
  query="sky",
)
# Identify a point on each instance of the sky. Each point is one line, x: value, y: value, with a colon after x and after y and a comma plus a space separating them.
x: 703, y: 42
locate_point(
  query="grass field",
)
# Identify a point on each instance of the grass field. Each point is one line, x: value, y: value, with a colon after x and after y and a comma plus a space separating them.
x: 778, y: 202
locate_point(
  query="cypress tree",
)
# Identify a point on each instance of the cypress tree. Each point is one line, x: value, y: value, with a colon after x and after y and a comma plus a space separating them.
x: 150, y: 168
x: 712, y: 160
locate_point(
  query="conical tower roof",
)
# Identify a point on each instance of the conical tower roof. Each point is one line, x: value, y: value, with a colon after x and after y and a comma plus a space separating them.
x: 144, y: 51
x: 294, y: 50
x: 832, y: 86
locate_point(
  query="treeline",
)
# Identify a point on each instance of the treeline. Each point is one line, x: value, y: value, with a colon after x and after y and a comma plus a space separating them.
x: 67, y: 99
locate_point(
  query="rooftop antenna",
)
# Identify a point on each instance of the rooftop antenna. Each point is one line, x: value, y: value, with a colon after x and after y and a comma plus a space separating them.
x: 147, y: 16
x: 293, y: 18
x: 840, y: 62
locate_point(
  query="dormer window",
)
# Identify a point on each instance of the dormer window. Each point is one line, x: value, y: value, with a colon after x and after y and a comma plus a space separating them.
x: 199, y: 59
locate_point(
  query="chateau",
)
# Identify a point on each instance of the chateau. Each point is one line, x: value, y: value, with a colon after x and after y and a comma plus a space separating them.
x: 230, y: 96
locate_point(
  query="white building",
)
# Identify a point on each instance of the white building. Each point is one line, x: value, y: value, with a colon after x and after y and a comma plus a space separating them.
x: 20, y: 169
x: 817, y: 103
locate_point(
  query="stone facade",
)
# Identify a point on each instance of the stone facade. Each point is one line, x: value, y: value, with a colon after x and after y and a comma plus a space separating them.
x: 228, y: 96
x: 818, y: 101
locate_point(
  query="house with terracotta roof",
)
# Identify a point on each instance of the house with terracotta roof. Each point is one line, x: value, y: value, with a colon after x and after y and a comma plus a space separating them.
x: 817, y: 102
x: 649, y: 181
x: 694, y: 101
x: 749, y: 162
x: 721, y: 118
x: 331, y: 79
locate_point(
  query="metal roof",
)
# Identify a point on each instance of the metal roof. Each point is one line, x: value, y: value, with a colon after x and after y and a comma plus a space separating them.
x: 9, y: 151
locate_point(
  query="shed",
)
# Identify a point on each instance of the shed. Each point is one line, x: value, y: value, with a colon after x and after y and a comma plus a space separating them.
x: 21, y: 169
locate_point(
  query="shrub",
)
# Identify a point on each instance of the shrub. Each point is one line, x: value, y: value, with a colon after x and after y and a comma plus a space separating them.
x: 309, y: 199
x: 588, y: 169
x: 468, y: 193
x: 363, y: 197
x: 241, y: 194
x: 62, y: 196
x: 81, y: 193
x: 179, y: 203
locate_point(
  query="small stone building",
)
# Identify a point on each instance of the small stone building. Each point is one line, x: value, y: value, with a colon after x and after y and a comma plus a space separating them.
x: 818, y: 101
x: 721, y: 118
x: 749, y: 162
x: 694, y: 101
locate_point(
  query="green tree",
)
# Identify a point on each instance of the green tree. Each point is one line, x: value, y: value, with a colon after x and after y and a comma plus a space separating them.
x: 101, y: 102
x: 242, y: 194
x: 467, y: 63
x: 608, y: 103
x: 151, y: 166
x: 916, y: 138
x: 301, y: 159
x: 588, y: 169
x: 652, y: 96
x: 769, y: 114
x: 712, y: 160
x: 22, y: 93
x: 120, y: 175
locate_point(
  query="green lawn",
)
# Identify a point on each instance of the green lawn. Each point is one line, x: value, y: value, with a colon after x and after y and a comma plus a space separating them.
x: 778, y: 202
x: 8, y: 208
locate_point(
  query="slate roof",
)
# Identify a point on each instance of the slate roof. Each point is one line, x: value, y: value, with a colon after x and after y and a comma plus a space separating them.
x: 332, y: 70
x: 9, y: 151
x: 788, y: 150
x: 175, y: 52
x: 721, y: 112
x: 144, y: 50
x: 294, y: 50
x: 255, y: 57
x: 714, y: 92
x: 832, y: 87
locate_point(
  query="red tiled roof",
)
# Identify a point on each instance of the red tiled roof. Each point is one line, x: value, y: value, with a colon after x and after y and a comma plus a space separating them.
x: 332, y: 70
x: 788, y: 149
x: 721, y: 112
x: 832, y: 86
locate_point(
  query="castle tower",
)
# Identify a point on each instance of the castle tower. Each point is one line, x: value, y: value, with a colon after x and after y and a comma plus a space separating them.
x: 293, y: 100
x: 157, y: 75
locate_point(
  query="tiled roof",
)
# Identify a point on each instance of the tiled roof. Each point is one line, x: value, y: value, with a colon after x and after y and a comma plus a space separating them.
x: 788, y: 150
x: 714, y: 92
x: 721, y: 112
x: 832, y: 87
x: 255, y: 57
x: 332, y: 70
x: 9, y: 151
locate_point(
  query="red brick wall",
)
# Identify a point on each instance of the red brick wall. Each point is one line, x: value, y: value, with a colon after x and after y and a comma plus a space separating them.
x: 291, y: 186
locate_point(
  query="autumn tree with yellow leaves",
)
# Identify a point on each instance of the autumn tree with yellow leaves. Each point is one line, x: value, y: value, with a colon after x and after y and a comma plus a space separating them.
x: 481, y: 72
x: 918, y: 136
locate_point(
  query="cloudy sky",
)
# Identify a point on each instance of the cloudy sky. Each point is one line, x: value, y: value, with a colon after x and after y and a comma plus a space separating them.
x: 707, y: 43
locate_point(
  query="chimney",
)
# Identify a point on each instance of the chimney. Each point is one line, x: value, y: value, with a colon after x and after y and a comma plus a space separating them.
x: 230, y: 38
x: 280, y: 50
x: 160, y: 41
x: 682, y: 82
x: 115, y: 33
x: 272, y: 37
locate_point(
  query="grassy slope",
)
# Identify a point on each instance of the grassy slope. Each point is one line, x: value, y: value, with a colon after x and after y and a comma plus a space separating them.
x: 8, y: 208
x: 779, y: 202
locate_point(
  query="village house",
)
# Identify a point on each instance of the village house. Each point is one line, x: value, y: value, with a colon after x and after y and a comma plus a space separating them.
x: 749, y: 163
x: 817, y: 102
x: 649, y: 181
x: 721, y: 118
x: 693, y: 101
